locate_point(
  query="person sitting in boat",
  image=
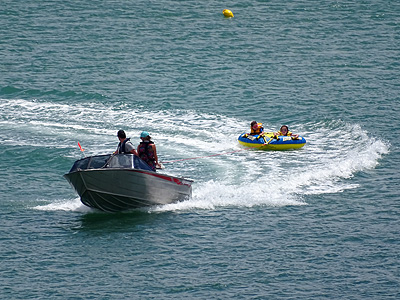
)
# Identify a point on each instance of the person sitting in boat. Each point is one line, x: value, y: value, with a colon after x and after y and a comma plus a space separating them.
x: 124, y: 146
x: 285, y: 132
x: 256, y: 128
x: 147, y: 151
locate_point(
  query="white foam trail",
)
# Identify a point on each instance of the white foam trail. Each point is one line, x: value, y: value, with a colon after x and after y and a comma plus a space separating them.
x: 65, y: 205
x: 334, y: 153
x: 211, y: 195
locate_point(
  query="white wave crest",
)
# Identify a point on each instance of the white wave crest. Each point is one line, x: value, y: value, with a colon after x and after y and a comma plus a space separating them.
x: 225, y: 174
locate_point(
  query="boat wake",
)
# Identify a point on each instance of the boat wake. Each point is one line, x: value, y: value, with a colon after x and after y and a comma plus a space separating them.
x: 202, y: 147
x: 64, y: 205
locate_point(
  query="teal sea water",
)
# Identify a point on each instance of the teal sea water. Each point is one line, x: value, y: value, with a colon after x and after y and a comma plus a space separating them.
x: 321, y: 222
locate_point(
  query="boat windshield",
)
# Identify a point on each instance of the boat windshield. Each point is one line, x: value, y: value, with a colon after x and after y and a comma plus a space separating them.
x: 129, y: 161
x: 120, y: 161
x: 91, y: 162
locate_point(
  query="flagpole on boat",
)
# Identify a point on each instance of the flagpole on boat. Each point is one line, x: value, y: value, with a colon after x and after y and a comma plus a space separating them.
x: 83, y: 150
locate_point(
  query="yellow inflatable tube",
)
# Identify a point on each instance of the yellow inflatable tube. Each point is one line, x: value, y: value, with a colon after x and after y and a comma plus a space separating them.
x: 268, y: 142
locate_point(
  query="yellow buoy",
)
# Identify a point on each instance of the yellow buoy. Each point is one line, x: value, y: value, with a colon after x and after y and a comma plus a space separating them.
x: 227, y: 13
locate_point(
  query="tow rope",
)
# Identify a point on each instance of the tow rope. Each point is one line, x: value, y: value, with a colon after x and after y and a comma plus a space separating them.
x: 171, y: 161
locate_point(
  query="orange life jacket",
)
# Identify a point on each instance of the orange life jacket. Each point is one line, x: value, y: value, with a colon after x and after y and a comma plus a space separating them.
x: 259, y: 130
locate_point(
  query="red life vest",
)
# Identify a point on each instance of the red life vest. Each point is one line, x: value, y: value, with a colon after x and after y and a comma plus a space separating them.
x: 146, y: 153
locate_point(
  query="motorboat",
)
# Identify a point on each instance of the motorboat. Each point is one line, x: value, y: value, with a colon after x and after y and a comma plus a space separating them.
x: 118, y: 182
x: 268, y: 141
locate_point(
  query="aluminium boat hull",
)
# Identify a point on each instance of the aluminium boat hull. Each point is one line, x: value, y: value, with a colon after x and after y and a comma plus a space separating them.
x: 106, y: 183
x: 117, y: 189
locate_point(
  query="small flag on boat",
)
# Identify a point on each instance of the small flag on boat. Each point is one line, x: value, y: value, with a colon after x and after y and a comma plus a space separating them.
x: 80, y: 147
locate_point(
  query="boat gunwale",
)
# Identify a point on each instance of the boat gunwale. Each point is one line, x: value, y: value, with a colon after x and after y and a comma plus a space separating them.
x: 151, y: 173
